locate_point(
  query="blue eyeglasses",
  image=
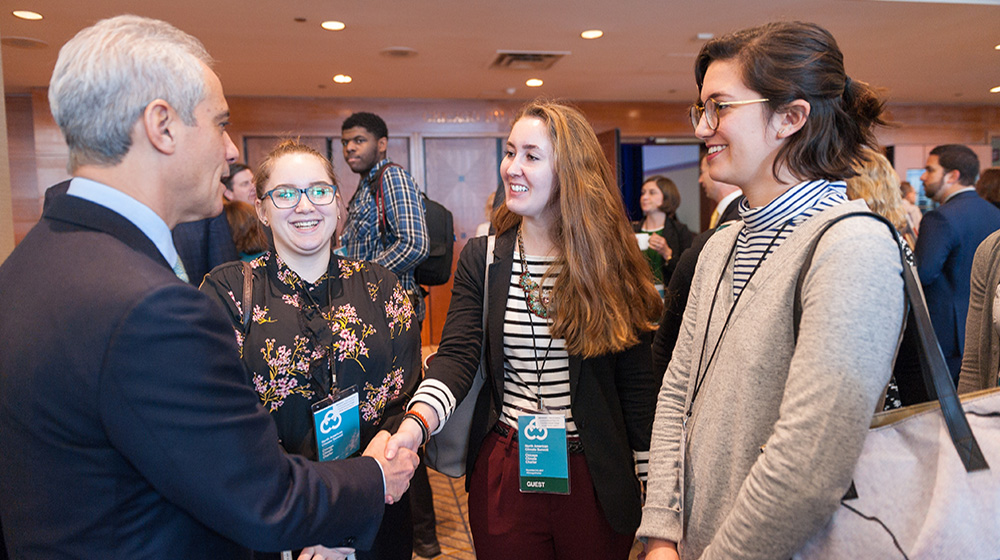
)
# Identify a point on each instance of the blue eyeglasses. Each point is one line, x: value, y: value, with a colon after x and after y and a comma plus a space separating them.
x: 287, y: 196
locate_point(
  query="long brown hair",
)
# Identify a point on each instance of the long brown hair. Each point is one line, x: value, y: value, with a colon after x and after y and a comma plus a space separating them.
x: 603, y: 295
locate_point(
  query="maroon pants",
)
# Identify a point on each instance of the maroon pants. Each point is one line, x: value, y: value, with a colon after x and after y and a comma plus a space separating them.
x: 509, y: 525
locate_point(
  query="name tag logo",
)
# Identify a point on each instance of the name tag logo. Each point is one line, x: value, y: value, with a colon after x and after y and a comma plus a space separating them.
x: 330, y: 422
x: 534, y: 432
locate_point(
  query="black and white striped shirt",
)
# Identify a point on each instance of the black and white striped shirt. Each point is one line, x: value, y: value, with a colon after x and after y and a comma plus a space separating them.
x: 534, y: 363
x: 779, y: 218
x: 525, y: 354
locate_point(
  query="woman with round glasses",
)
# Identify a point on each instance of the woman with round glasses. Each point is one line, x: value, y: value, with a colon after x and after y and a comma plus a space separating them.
x: 316, y: 324
x: 763, y: 410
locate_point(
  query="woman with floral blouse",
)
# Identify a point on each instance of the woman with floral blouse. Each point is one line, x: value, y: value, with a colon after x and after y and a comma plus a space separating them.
x: 320, y: 324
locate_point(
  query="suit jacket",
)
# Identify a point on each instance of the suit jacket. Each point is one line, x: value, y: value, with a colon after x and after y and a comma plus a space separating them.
x: 128, y: 424
x: 732, y: 211
x: 204, y: 245
x: 946, y: 246
x: 612, y: 396
x: 676, y: 296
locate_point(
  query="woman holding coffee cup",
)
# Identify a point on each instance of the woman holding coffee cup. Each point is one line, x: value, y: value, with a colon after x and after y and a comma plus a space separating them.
x: 661, y: 237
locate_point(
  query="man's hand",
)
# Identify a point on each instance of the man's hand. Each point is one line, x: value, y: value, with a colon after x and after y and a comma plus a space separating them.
x: 322, y: 553
x: 397, y: 471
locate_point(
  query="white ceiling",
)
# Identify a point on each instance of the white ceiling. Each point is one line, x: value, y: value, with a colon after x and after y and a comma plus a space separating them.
x: 918, y: 52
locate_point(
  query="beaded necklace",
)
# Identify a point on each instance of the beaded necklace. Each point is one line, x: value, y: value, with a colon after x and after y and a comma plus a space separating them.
x: 538, y: 298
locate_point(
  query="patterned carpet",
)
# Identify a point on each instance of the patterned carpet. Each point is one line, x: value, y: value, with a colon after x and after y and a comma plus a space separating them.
x: 451, y: 506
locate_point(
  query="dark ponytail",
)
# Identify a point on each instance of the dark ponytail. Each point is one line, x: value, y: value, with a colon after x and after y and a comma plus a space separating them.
x: 785, y: 61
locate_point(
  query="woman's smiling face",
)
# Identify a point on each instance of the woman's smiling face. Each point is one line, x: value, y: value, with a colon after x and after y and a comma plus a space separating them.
x: 527, y: 168
x: 306, y: 229
x: 743, y: 148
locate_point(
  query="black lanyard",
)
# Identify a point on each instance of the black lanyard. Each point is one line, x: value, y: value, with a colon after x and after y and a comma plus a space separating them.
x: 701, y: 374
x: 531, y: 322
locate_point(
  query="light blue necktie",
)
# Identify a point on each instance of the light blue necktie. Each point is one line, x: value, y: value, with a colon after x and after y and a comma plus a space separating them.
x: 179, y: 270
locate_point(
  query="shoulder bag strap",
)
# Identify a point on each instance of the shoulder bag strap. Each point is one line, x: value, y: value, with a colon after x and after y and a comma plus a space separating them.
x: 490, y: 244
x: 247, y: 295
x: 932, y: 364
x: 379, y: 194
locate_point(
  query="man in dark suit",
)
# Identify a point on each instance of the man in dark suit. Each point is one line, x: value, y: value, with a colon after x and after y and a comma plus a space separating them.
x: 947, y: 242
x: 204, y: 245
x: 128, y: 424
x: 727, y: 209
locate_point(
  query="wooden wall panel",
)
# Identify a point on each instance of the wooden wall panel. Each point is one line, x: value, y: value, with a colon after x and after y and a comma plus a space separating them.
x: 25, y: 202
x: 941, y: 124
x: 51, y: 153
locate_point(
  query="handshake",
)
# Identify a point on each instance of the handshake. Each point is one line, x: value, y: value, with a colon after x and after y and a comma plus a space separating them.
x: 397, y: 455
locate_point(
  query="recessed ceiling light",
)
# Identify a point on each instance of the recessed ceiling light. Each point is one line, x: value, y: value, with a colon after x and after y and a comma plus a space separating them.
x: 342, y: 79
x: 592, y: 34
x: 705, y: 36
x: 997, y: 47
x: 534, y: 82
x: 25, y: 14
x: 995, y: 90
x: 332, y: 25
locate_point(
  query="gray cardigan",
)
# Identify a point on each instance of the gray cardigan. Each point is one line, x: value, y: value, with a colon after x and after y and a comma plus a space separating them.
x: 981, y: 360
x: 777, y: 425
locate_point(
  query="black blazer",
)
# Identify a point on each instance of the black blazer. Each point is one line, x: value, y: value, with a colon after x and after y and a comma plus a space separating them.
x: 128, y: 426
x: 613, y: 396
x: 676, y: 294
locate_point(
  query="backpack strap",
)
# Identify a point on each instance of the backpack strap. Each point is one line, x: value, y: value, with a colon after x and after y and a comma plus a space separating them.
x: 379, y: 194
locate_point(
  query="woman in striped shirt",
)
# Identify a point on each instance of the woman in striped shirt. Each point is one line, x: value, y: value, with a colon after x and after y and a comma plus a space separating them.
x: 763, y: 411
x: 567, y: 333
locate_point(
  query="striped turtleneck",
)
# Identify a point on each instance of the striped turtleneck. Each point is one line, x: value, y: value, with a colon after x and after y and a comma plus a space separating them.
x: 766, y: 227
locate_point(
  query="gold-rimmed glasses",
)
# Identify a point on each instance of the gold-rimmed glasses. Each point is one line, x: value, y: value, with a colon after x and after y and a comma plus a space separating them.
x: 711, y: 110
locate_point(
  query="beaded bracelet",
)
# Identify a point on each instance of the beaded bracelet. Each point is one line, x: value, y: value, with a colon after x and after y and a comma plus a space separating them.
x: 425, y: 429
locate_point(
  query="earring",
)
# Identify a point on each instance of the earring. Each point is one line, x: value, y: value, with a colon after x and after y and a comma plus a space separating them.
x: 264, y: 222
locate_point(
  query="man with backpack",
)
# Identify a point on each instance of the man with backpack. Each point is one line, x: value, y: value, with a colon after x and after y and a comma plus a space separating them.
x: 385, y: 218
x: 386, y: 224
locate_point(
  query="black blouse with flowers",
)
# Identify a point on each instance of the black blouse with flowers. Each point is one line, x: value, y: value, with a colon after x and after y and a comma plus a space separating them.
x: 357, y: 310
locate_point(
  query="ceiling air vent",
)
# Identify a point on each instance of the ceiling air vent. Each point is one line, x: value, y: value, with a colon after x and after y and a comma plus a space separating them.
x: 526, y: 60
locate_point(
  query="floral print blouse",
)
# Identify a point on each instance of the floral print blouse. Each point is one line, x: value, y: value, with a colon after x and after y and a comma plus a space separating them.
x: 357, y: 311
